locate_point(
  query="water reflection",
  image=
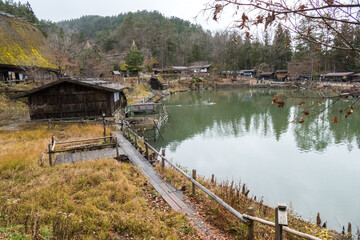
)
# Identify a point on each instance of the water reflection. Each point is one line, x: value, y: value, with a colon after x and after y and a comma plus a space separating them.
x: 239, y: 134
x: 239, y: 112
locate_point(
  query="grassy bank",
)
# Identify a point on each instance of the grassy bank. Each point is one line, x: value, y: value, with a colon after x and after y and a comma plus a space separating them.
x: 92, y: 200
x: 239, y: 197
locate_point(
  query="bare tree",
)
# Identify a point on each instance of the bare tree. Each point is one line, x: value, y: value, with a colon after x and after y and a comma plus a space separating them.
x: 328, y: 15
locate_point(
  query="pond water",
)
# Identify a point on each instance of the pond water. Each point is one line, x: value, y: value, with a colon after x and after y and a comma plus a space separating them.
x: 239, y: 135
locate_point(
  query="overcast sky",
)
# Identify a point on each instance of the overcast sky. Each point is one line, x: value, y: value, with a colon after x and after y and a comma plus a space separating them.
x: 57, y: 10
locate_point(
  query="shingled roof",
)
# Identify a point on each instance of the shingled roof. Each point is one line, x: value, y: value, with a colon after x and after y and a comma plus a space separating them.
x: 89, y: 82
x: 21, y: 44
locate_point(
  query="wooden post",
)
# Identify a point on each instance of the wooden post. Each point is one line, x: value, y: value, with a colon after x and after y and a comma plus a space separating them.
x: 128, y: 132
x: 50, y: 155
x: 280, y: 221
x: 117, y: 150
x: 278, y: 230
x: 163, y: 160
x: 250, y: 224
x: 111, y: 137
x: 103, y: 115
x: 136, y: 143
x: 193, y: 185
x: 146, y: 151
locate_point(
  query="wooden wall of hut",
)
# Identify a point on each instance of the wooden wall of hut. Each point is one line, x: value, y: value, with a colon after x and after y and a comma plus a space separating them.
x: 68, y: 100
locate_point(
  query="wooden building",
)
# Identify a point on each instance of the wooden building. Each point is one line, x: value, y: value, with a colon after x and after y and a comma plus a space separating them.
x: 339, y: 76
x: 299, y: 70
x: 73, y: 98
x: 266, y: 76
x: 23, y: 51
x: 158, y: 83
x: 281, y: 75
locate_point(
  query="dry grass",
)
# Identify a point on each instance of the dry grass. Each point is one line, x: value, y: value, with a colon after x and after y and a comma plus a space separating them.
x: 92, y: 200
x: 137, y: 92
x: 239, y: 197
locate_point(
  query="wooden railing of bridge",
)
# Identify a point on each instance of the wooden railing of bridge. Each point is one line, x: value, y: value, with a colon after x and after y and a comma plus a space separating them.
x: 280, y: 223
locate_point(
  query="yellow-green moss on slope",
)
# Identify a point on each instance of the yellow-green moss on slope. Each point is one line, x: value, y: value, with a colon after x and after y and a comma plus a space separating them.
x: 22, y: 44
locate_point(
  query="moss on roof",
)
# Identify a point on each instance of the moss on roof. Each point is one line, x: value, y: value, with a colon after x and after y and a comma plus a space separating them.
x: 22, y: 44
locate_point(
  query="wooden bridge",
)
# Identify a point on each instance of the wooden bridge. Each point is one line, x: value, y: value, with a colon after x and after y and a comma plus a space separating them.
x: 170, y: 194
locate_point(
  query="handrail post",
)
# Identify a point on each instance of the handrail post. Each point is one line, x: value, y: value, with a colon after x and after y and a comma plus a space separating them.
x: 146, y: 150
x: 193, y: 184
x: 111, y: 137
x: 280, y: 221
x: 117, y: 150
x: 163, y: 160
x: 104, y: 125
x: 136, y: 142
x: 50, y: 155
x: 250, y: 224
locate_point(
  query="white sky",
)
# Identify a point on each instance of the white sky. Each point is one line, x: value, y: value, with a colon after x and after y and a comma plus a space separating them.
x: 57, y: 10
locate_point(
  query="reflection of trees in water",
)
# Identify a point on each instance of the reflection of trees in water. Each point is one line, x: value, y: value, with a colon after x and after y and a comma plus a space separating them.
x: 239, y: 112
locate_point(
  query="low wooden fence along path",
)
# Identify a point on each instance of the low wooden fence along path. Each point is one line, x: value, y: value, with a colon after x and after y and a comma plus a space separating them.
x: 168, y: 192
x: 280, y: 224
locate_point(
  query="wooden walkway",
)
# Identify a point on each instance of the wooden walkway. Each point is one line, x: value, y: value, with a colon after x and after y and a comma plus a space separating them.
x: 171, y: 195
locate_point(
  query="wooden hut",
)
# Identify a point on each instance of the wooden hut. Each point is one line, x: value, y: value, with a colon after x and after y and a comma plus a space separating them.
x: 299, y: 70
x: 281, y: 75
x: 73, y: 98
x: 339, y: 76
x: 158, y: 83
x: 266, y: 76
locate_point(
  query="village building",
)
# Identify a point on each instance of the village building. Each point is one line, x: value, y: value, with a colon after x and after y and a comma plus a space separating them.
x: 158, y: 83
x: 201, y: 68
x: 248, y: 73
x: 23, y: 53
x: 281, y: 75
x: 72, y: 98
x: 266, y: 76
x: 339, y: 76
x: 299, y: 70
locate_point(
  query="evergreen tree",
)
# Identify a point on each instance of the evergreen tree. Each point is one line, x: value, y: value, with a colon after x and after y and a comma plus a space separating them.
x: 134, y: 59
x: 20, y: 10
x: 281, y: 49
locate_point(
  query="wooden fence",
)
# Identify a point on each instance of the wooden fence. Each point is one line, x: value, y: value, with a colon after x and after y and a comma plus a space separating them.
x: 280, y: 223
x: 84, y: 144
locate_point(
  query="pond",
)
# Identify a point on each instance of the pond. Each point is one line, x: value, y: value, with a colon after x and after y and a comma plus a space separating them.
x: 239, y: 135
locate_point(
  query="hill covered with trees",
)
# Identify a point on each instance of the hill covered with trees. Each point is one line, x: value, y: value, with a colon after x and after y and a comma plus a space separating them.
x: 173, y: 41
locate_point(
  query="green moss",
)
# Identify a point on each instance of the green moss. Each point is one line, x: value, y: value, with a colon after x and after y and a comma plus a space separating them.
x: 22, y: 44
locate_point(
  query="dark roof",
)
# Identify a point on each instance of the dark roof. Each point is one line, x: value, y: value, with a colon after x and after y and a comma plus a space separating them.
x: 88, y: 82
x: 339, y: 74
